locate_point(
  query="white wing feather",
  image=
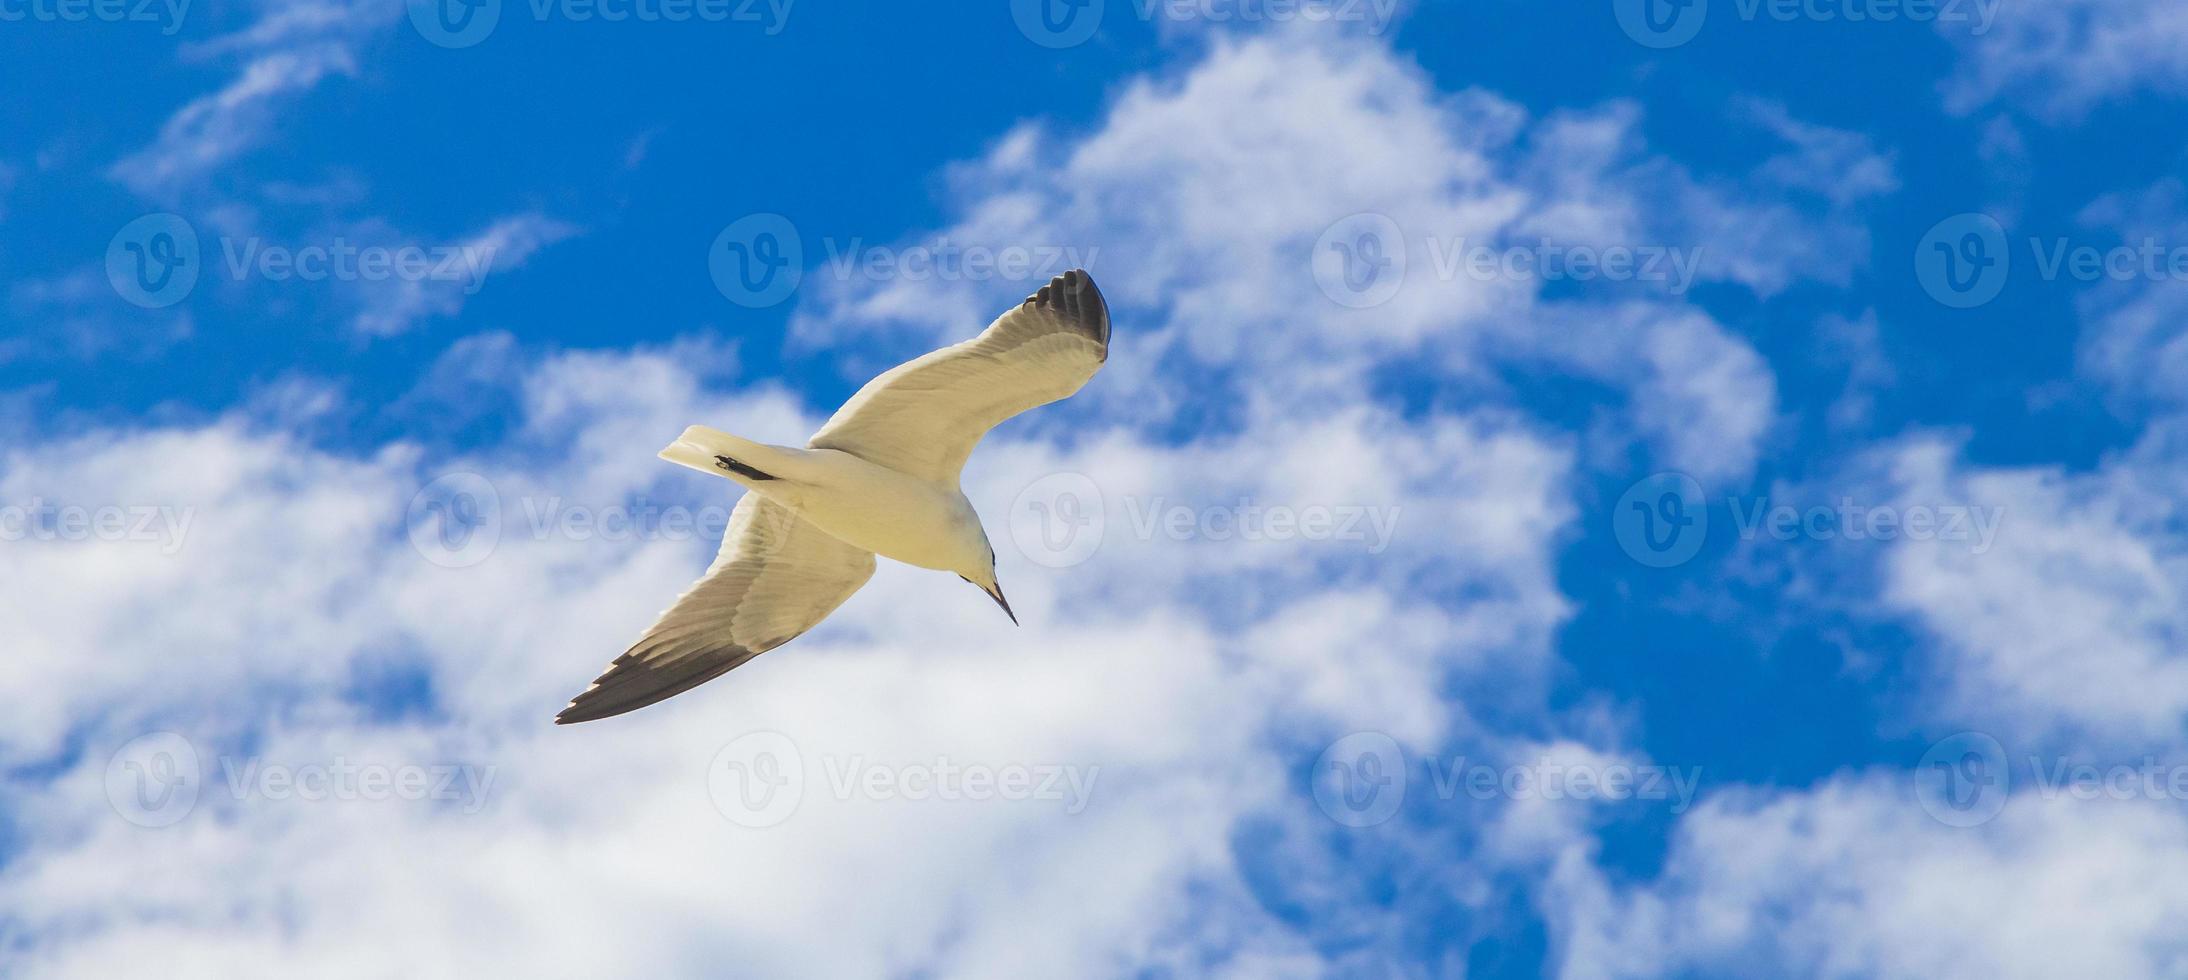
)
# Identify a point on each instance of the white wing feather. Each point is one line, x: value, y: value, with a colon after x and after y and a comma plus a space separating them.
x: 775, y: 577
x: 925, y: 416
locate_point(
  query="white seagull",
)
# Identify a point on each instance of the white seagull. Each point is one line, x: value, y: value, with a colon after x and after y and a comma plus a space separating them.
x: 879, y: 478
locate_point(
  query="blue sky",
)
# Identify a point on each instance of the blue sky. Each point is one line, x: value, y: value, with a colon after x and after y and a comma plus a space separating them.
x: 1772, y: 413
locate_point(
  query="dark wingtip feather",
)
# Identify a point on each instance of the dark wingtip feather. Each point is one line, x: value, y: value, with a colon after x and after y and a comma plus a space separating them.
x: 631, y: 683
x: 1074, y: 295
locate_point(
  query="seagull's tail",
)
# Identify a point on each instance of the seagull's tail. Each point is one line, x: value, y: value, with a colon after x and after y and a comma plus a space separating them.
x: 717, y: 452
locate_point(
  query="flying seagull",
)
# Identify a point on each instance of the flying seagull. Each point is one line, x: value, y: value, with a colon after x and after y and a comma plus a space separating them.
x: 879, y: 478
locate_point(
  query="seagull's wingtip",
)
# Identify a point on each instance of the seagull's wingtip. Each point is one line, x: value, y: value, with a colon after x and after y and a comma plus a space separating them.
x: 1074, y: 295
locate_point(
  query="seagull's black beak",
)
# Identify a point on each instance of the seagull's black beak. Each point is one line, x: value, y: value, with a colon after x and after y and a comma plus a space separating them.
x: 997, y: 594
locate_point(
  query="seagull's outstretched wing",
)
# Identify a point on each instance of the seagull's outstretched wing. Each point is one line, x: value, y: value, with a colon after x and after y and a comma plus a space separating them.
x: 924, y: 416
x: 776, y: 576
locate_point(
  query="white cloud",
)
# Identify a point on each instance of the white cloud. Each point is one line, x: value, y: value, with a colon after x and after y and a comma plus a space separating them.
x: 2059, y: 629
x: 77, y: 314
x: 1844, y: 166
x: 1154, y: 195
x: 286, y: 53
x: 458, y: 270
x: 2135, y: 330
x: 1596, y: 184
x: 1853, y: 878
x: 2063, y: 57
x: 599, y: 849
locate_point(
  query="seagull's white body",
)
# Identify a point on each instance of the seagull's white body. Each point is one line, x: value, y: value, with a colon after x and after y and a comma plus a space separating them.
x: 928, y: 523
x: 881, y: 478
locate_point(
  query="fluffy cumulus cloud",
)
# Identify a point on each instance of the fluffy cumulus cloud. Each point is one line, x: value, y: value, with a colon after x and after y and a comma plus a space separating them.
x: 300, y: 583
x: 2050, y: 642
x: 1477, y: 215
x: 2067, y: 625
x: 1855, y: 879
x: 2062, y: 58
x: 2135, y: 325
x: 2060, y: 623
x: 2053, y: 643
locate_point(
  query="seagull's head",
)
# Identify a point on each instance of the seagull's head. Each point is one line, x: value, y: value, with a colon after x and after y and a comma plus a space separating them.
x: 982, y: 574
